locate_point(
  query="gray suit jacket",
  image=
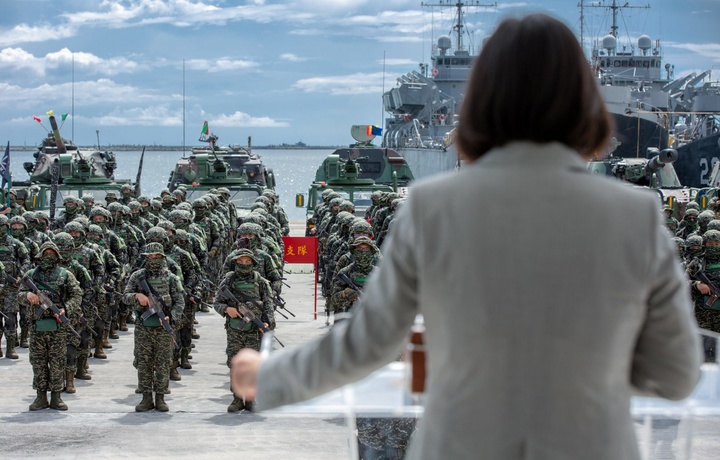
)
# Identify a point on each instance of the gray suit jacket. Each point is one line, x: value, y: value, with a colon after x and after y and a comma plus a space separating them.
x: 550, y: 296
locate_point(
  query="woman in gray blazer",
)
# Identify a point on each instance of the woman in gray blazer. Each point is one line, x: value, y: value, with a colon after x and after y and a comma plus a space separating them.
x: 550, y: 296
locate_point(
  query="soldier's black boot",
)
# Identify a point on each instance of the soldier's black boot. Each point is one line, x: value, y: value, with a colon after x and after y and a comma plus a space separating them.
x: 40, y: 402
x: 236, y: 405
x: 82, y: 372
x: 194, y: 334
x: 146, y: 403
x: 249, y: 406
x: 24, y: 337
x: 174, y: 374
x: 69, y: 383
x: 10, y: 351
x: 123, y: 323
x: 184, y: 363
x: 160, y: 404
x: 56, y: 401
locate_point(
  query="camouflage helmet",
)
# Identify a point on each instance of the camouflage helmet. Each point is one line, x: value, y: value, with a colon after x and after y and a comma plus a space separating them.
x: 336, y: 201
x: 361, y: 226
x: 156, y: 204
x: 395, y: 204
x: 154, y: 248
x: 248, y: 228
x: 345, y: 218
x: 679, y: 242
x: 88, y: 198
x: 42, y: 215
x: 326, y: 192
x: 711, y: 235
x: 376, y: 196
x: 347, y: 206
x: 82, y: 220
x: 168, y: 198
x: 705, y: 217
x: 110, y: 194
x: 331, y: 196
x: 127, y: 188
x: 134, y: 206
x: 712, y: 225
x: 3, y: 220
x: 179, y: 215
x: 254, y: 218
x: 74, y: 226
x: 166, y: 225
x: 693, y: 240
x: 70, y: 199
x: 143, y: 199
x: 30, y: 217
x: 125, y: 210
x: 156, y: 234
x: 363, y: 240
x: 199, y: 203
x: 18, y: 220
x: 165, y: 192
x: 178, y: 194
x: 182, y: 235
x: 115, y: 207
x: 692, y: 205
x: 64, y: 241
x: 48, y: 245
x: 691, y: 213
x: 96, y: 230
x: 100, y: 211
x: 185, y: 206
x: 244, y: 253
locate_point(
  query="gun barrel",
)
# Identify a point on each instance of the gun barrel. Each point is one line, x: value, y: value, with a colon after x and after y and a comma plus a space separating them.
x: 56, y: 134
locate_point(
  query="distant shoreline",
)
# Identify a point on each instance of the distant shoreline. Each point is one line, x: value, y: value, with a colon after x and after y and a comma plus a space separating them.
x: 179, y: 148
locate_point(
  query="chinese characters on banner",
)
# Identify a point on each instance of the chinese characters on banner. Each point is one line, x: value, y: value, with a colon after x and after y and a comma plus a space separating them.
x: 303, y: 250
x: 300, y: 250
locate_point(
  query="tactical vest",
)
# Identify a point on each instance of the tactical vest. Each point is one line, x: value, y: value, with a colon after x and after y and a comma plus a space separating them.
x: 249, y: 293
x: 8, y: 256
x: 161, y: 284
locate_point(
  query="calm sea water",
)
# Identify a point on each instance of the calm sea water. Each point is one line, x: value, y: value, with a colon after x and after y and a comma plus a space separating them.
x: 294, y: 171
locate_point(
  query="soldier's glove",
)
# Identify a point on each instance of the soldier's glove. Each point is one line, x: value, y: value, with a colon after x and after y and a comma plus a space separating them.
x: 271, y: 325
x: 212, y: 252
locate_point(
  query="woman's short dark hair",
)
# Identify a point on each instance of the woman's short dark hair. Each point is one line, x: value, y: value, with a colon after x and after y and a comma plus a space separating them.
x: 532, y: 82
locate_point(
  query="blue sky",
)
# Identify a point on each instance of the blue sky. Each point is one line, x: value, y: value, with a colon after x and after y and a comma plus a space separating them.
x: 278, y: 70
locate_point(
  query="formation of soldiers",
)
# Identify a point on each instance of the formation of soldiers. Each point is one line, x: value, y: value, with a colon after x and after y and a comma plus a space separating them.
x: 68, y: 286
x: 697, y: 237
x: 349, y: 247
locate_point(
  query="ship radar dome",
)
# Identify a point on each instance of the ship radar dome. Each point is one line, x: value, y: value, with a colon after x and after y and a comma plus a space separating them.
x: 644, y: 43
x: 444, y: 43
x: 609, y: 42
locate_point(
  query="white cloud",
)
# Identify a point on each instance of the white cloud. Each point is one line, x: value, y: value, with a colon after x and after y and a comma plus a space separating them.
x: 403, y: 62
x: 159, y: 115
x: 708, y: 50
x: 292, y: 57
x: 18, y: 58
x: 358, y: 83
x: 220, y: 64
x: 24, y: 33
x: 244, y: 120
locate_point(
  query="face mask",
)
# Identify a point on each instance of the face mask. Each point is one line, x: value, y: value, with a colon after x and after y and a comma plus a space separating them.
x: 80, y: 239
x: 3, y: 230
x: 70, y: 211
x: 41, y: 227
x: 18, y: 233
x: 144, y: 210
x: 199, y: 212
x: 48, y: 261
x: 243, y: 270
x: 154, y: 265
x: 167, y: 204
x: 364, y: 258
x: 712, y: 252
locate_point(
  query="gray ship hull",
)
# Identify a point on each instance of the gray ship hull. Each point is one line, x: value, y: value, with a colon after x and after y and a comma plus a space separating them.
x: 427, y: 162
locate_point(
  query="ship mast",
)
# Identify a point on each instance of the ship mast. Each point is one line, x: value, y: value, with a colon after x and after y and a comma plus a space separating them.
x: 459, y: 21
x: 615, y: 8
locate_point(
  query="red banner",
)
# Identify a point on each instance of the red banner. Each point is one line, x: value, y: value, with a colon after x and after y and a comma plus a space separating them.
x: 300, y: 249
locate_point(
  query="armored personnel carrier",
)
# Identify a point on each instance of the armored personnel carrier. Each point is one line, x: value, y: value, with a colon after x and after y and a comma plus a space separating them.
x: 655, y: 172
x: 233, y: 167
x: 357, y: 171
x: 60, y: 164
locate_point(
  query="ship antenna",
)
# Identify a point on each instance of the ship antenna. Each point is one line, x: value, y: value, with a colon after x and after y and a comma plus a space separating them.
x: 183, y: 91
x: 459, y: 21
x: 382, y: 104
x: 97, y: 133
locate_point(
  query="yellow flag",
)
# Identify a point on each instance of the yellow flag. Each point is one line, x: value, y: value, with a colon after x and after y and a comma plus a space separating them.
x: 50, y: 113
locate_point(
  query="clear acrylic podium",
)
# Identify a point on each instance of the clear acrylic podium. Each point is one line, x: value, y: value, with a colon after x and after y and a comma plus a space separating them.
x: 682, y: 430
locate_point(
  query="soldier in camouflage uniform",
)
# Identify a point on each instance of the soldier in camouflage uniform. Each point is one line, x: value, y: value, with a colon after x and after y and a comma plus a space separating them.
x: 19, y: 231
x: 32, y: 229
x: 72, y: 210
x: 670, y: 222
x: 88, y: 202
x: 224, y: 194
x: 387, y: 223
x: 251, y: 289
x: 145, y: 210
x: 708, y: 316
x: 77, y: 347
x: 689, y: 224
x: 47, y: 341
x: 136, y: 217
x: 703, y: 220
x: 277, y: 211
x: 128, y: 194
x: 359, y: 228
x: 153, y: 344
x: 16, y: 260
x: 112, y: 271
x: 92, y: 261
x: 365, y: 256
x: 264, y: 264
x: 693, y: 248
x: 110, y: 197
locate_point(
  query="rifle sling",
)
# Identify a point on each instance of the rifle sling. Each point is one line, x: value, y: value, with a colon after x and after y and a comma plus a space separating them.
x: 151, y: 291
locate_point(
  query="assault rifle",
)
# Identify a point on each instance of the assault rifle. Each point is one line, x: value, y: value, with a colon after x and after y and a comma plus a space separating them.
x: 696, y: 272
x: 46, y: 303
x: 280, y: 303
x: 247, y: 315
x: 156, y: 307
x: 350, y: 283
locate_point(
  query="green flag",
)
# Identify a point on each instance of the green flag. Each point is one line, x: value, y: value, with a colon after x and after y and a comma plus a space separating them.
x: 63, y: 116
